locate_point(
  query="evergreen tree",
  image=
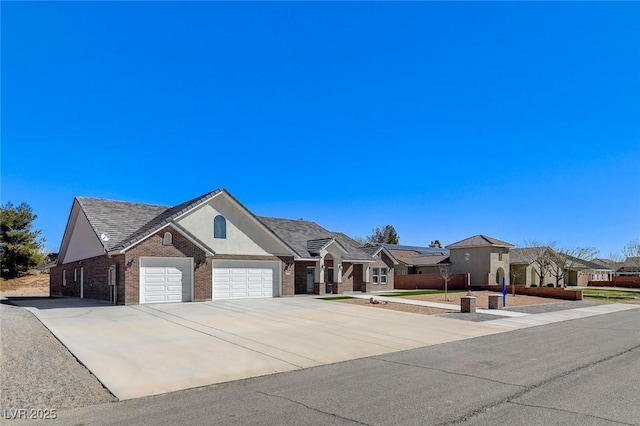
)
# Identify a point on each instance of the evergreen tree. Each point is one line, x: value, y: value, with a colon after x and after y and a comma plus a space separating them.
x: 20, y: 245
x: 387, y: 235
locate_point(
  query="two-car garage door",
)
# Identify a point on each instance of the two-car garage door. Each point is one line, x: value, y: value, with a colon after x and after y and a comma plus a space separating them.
x: 170, y: 279
x: 245, y: 279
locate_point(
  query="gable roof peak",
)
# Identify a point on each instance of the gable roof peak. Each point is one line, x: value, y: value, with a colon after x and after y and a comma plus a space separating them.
x: 479, y: 240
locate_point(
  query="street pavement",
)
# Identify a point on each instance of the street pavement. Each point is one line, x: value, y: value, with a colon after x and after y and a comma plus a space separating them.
x: 584, y: 371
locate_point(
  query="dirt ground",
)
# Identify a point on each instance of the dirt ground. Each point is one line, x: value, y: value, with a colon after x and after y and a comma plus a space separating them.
x: 483, y: 299
x: 397, y: 307
x: 29, y: 285
x: 453, y: 299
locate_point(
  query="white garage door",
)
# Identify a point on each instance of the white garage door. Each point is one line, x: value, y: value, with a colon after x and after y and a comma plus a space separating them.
x: 242, y: 280
x: 165, y: 279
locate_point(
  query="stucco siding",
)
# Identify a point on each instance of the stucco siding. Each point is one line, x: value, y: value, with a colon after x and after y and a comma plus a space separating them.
x: 83, y: 242
x: 244, y: 236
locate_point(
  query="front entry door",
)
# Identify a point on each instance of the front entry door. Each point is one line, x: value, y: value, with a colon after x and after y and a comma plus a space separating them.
x: 311, y: 273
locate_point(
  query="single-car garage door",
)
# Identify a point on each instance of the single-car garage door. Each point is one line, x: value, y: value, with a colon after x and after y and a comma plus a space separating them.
x: 245, y: 279
x: 165, y: 279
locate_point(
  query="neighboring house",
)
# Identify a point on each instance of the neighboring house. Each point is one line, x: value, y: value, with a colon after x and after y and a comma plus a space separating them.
x: 485, y: 258
x: 210, y: 247
x: 577, y: 272
x: 418, y: 260
x: 604, y: 269
x: 524, y: 271
x: 630, y: 266
x: 50, y: 260
x: 328, y: 261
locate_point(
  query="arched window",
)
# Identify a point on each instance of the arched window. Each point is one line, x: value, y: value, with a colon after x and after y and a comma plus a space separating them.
x: 167, y: 240
x: 219, y: 227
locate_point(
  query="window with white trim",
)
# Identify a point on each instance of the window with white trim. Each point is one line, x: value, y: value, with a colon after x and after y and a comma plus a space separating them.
x: 64, y: 277
x: 383, y: 275
x: 219, y: 227
x: 167, y: 239
x: 75, y: 275
x: 375, y: 279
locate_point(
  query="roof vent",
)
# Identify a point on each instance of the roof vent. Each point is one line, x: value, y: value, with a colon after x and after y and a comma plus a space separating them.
x: 104, y: 237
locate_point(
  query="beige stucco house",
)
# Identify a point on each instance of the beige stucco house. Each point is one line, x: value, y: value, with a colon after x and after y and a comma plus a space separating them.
x: 485, y: 258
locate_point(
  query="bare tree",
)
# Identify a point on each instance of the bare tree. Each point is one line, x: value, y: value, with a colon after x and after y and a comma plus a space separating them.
x: 565, y: 259
x: 540, y: 256
x: 632, y: 253
x: 616, y: 262
x: 359, y: 240
x: 514, y: 274
x: 446, y: 270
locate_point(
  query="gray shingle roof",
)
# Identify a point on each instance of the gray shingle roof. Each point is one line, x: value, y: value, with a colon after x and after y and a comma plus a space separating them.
x: 301, y: 235
x: 164, y: 218
x: 419, y: 249
x: 523, y: 255
x: 316, y: 246
x: 479, y: 241
x: 431, y: 260
x: 117, y: 219
x: 126, y: 223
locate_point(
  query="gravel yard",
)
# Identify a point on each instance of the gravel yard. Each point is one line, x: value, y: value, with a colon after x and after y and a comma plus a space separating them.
x: 37, y: 371
x: 483, y: 299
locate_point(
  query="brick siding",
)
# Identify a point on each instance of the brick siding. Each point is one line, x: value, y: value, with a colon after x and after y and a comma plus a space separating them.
x: 300, y: 279
x: 181, y: 247
x: 96, y: 278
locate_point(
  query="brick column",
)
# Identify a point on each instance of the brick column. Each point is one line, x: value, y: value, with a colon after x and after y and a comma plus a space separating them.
x: 320, y: 288
x: 468, y: 304
x: 495, y: 301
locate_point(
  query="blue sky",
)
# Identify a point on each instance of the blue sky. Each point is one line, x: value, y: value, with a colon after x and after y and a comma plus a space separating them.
x: 515, y: 120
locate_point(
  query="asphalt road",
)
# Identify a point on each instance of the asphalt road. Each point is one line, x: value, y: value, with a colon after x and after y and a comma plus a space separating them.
x: 583, y: 372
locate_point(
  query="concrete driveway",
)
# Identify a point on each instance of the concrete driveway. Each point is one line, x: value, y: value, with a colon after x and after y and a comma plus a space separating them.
x: 145, y: 350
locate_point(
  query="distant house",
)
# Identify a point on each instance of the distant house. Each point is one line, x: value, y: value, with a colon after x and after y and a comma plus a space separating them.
x: 417, y: 260
x: 630, y: 266
x: 485, y: 258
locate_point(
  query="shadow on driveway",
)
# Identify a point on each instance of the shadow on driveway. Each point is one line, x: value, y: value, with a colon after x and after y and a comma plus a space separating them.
x: 52, y: 302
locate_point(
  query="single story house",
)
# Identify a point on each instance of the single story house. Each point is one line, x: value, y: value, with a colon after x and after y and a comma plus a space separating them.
x: 208, y: 248
x: 418, y: 260
x: 332, y: 262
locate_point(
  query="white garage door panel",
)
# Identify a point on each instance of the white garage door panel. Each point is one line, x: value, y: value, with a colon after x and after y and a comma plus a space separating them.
x: 165, y: 280
x: 248, y: 280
